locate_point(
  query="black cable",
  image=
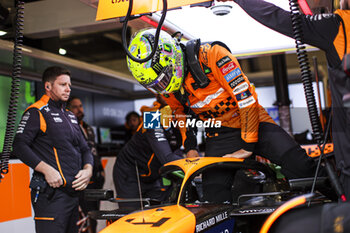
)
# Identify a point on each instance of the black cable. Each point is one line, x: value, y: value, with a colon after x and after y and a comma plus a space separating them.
x: 321, y: 153
x: 306, y: 76
x: 15, y: 86
x: 332, y: 176
x: 159, y: 27
x: 309, y: 93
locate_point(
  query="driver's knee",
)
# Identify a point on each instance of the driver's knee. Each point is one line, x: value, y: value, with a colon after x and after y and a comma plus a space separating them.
x: 297, y: 164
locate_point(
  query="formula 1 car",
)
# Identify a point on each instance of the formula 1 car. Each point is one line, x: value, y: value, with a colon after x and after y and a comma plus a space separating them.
x: 256, y: 193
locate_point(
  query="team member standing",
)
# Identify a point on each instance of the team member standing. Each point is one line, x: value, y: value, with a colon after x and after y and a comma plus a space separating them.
x: 222, y: 93
x: 329, y: 32
x: 144, y: 154
x: 132, y: 122
x: 49, y: 140
x: 75, y: 105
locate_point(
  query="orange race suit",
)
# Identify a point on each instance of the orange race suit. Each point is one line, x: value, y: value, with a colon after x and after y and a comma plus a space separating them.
x: 231, y: 99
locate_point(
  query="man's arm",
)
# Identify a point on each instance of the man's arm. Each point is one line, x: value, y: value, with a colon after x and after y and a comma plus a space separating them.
x: 160, y: 146
x: 82, y: 178
x: 318, y: 30
x: 240, y: 154
x: 189, y: 140
x: 28, y: 129
x: 52, y: 176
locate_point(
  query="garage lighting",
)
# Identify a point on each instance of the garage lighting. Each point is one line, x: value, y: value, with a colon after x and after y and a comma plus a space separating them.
x: 2, y: 33
x: 62, y: 51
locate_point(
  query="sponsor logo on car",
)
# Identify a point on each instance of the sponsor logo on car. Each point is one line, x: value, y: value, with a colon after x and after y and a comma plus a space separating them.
x: 192, y: 161
x: 253, y: 211
x: 211, y: 222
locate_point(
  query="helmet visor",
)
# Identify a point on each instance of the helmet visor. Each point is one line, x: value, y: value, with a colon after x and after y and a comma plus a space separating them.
x: 162, y: 81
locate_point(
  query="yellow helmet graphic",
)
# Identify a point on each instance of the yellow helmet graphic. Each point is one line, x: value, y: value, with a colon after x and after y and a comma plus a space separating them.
x: 165, y: 71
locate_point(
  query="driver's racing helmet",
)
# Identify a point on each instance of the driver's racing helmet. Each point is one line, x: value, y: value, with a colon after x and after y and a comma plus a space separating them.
x: 163, y: 73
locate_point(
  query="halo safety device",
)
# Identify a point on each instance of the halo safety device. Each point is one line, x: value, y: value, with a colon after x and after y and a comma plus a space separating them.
x: 163, y: 73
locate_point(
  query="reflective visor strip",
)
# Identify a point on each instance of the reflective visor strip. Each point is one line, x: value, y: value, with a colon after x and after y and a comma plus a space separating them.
x: 59, y: 167
x: 162, y: 81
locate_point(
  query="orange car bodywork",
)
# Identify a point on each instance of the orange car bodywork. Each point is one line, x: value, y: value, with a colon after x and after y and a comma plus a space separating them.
x: 162, y: 219
x: 314, y: 151
x: 172, y: 218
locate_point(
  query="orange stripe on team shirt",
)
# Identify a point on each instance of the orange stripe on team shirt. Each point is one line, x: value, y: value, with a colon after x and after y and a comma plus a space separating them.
x: 149, y: 166
x: 15, y: 193
x: 42, y: 122
x: 59, y: 167
x: 44, y: 218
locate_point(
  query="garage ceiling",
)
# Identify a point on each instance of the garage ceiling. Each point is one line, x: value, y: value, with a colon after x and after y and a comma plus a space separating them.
x: 51, y: 25
x: 71, y: 25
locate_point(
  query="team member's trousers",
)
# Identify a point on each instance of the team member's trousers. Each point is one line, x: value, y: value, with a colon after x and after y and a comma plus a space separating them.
x: 55, y: 212
x: 87, y: 206
x: 273, y: 143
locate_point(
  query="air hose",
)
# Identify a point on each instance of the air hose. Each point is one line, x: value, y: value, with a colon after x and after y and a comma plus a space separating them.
x: 306, y: 79
x: 159, y: 27
x: 15, y: 87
